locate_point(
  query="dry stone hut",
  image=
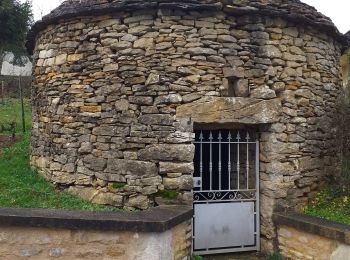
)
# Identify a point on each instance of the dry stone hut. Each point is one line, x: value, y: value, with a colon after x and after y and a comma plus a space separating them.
x: 140, y: 103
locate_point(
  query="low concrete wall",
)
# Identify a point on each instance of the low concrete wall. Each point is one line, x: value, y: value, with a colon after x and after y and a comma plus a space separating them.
x: 158, y: 234
x: 303, y: 237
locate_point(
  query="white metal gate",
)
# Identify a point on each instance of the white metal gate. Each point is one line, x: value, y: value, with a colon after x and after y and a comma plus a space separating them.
x: 226, y: 192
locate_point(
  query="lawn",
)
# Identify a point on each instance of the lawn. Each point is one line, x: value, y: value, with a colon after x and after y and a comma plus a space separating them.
x: 10, y: 111
x: 20, y: 186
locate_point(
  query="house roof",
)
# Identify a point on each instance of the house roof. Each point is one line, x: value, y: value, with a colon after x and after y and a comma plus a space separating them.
x: 291, y: 10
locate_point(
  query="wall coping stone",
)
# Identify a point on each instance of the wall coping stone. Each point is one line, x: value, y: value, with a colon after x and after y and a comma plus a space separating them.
x: 314, y: 225
x: 158, y: 219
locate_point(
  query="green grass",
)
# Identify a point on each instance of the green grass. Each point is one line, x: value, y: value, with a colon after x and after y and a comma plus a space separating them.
x: 332, y: 204
x: 168, y: 194
x: 196, y: 257
x: 11, y: 110
x: 21, y: 187
x: 275, y: 256
x: 118, y: 185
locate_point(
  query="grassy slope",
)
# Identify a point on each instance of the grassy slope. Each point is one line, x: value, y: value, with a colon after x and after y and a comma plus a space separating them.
x: 331, y: 204
x: 24, y: 188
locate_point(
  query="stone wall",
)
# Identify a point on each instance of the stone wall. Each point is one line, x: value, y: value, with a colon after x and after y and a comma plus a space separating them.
x: 297, y: 244
x: 303, y: 241
x: 112, y: 100
x: 43, y: 243
x: 159, y: 234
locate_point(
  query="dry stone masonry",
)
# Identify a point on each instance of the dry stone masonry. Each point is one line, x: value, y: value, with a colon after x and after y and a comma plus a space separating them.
x: 54, y: 234
x: 304, y: 237
x: 119, y: 87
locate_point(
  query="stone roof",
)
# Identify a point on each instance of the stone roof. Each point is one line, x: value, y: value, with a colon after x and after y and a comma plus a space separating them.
x: 292, y: 10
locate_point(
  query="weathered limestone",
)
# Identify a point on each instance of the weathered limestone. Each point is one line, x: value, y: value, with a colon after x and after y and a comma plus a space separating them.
x: 131, y: 167
x: 298, y: 244
x: 116, y: 97
x: 55, y: 243
x: 232, y: 110
x: 168, y: 152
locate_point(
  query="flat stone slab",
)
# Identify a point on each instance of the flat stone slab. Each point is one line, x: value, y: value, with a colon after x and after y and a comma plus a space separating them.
x: 158, y: 219
x: 313, y: 225
x: 232, y: 110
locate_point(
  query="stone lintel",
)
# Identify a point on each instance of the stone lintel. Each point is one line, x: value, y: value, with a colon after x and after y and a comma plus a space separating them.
x: 313, y: 225
x: 222, y: 110
x: 158, y: 219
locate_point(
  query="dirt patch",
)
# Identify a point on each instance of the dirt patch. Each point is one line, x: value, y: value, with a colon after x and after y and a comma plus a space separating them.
x: 7, y: 141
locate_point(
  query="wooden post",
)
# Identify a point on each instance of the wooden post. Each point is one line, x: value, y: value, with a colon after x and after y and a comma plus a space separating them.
x: 2, y: 92
x: 22, y: 104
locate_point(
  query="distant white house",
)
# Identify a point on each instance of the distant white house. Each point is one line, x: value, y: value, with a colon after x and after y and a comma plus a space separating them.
x: 7, y: 69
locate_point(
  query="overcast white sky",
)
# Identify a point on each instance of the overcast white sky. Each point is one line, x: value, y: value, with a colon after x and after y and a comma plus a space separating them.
x: 337, y: 10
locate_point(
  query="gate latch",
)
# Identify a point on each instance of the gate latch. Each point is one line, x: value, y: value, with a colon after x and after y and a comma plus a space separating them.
x: 197, y: 182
